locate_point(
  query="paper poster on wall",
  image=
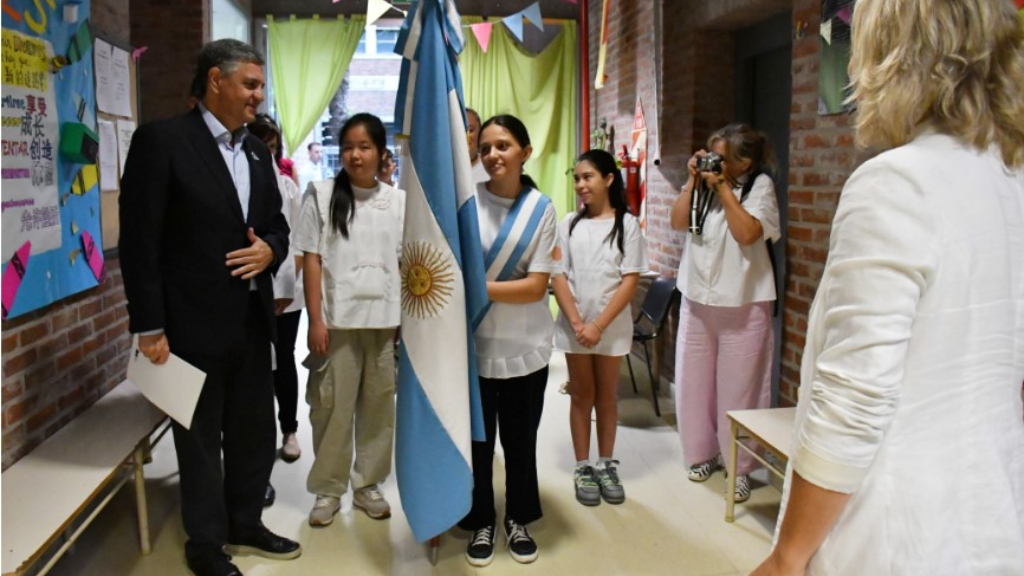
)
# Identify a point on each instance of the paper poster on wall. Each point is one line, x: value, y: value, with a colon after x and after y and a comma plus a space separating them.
x: 125, y: 131
x: 113, y: 93
x: 30, y: 139
x: 109, y: 176
x: 51, y: 207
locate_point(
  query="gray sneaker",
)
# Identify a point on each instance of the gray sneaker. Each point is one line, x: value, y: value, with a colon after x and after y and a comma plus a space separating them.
x: 588, y: 492
x: 370, y: 499
x: 324, y: 510
x: 608, y: 478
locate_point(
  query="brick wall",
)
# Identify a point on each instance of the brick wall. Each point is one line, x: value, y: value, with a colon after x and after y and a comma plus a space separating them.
x: 822, y: 156
x: 174, y: 33
x: 697, y: 92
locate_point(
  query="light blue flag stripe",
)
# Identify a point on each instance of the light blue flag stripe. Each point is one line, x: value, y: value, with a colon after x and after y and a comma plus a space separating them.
x: 434, y: 478
x: 435, y: 482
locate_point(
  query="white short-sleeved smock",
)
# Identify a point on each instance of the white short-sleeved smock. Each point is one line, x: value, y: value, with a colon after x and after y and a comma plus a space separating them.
x: 515, y: 339
x: 594, y: 268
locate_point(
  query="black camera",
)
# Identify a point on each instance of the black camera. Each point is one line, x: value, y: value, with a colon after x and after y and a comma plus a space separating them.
x: 710, y: 163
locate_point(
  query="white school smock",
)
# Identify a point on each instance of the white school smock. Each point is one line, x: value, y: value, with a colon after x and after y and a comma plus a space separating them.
x: 288, y: 280
x: 594, y: 268
x: 723, y: 273
x: 910, y: 380
x: 515, y: 339
x: 361, y: 286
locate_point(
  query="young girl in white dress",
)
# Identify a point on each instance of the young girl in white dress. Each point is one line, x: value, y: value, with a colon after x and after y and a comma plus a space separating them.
x: 350, y: 231
x: 602, y: 256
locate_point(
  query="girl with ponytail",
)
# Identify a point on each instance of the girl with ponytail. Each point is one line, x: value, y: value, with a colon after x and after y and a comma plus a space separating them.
x: 350, y: 232
x: 513, y: 340
x: 602, y: 257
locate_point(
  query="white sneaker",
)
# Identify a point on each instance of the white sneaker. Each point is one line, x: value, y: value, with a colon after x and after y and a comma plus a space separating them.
x: 324, y: 510
x: 372, y: 501
x: 290, y: 450
x: 742, y: 492
x: 703, y: 470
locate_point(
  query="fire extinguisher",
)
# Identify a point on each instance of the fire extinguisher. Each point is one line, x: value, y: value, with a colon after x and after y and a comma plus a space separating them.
x: 632, y: 177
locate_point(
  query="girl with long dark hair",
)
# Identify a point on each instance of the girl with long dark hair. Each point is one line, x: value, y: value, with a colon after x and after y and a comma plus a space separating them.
x: 351, y: 233
x: 602, y: 256
x: 513, y: 341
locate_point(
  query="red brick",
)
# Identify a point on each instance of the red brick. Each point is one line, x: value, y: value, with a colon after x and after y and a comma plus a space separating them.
x: 63, y: 319
x: 90, y: 308
x: 41, y: 417
x: 103, y: 320
x: 19, y: 362
x: 69, y: 358
x: 9, y: 342
x: 34, y: 332
x: 12, y: 390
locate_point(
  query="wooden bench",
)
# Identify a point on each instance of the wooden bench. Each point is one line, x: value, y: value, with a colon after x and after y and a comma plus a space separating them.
x: 77, y: 470
x: 770, y: 428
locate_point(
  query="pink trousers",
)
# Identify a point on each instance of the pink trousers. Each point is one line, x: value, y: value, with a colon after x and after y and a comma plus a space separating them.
x: 723, y: 362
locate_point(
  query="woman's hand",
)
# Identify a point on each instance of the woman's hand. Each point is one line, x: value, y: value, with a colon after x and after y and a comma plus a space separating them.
x: 577, y: 327
x: 589, y: 336
x: 691, y: 165
x: 319, y: 339
x: 713, y: 180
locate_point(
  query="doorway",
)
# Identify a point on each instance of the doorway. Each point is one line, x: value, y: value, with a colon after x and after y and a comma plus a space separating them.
x: 764, y: 93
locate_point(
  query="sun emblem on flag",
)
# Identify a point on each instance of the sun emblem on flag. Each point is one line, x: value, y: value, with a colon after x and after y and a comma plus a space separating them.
x: 427, y: 280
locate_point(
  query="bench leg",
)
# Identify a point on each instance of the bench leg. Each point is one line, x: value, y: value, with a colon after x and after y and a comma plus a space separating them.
x: 730, y: 488
x: 140, y: 495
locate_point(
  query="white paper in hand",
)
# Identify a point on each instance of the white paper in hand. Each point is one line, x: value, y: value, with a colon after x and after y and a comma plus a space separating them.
x: 173, y: 386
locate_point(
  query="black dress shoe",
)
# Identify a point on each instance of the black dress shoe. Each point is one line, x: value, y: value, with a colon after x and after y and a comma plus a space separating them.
x: 263, y: 543
x: 269, y: 496
x: 214, y: 565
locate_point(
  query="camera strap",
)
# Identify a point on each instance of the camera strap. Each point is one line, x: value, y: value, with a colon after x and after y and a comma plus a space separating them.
x: 700, y: 206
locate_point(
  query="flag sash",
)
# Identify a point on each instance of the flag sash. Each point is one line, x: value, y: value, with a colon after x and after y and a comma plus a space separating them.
x: 515, y: 234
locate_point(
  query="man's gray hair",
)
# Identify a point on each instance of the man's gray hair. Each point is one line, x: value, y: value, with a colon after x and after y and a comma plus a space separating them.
x: 226, y: 54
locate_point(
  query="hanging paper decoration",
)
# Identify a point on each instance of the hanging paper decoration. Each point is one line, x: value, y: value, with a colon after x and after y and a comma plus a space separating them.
x: 375, y: 9
x: 482, y: 31
x: 532, y: 13
x: 599, y: 80
x: 515, y: 25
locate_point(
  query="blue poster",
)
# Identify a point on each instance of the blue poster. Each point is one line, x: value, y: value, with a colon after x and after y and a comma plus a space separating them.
x: 51, y: 195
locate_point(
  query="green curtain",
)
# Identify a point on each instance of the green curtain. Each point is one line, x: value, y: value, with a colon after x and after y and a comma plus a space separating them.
x: 308, y: 60
x: 538, y: 89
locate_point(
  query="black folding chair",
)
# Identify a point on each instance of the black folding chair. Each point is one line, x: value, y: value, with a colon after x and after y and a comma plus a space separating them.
x: 648, y: 324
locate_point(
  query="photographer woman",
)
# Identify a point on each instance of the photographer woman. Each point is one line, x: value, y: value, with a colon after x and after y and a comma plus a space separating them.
x: 908, y: 453
x: 726, y: 320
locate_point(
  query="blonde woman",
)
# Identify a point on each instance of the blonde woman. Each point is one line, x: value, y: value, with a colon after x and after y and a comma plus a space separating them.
x: 908, y: 453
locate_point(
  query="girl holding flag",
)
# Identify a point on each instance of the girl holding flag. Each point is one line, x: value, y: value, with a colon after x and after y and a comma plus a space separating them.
x: 603, y: 254
x: 513, y: 341
x: 350, y: 231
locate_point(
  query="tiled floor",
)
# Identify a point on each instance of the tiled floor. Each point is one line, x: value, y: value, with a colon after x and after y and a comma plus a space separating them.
x: 667, y: 525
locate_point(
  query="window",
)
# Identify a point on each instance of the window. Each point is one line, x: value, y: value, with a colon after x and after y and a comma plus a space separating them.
x: 228, y: 21
x: 378, y: 42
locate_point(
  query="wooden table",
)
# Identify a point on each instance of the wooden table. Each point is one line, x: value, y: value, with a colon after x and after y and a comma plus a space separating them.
x: 770, y: 428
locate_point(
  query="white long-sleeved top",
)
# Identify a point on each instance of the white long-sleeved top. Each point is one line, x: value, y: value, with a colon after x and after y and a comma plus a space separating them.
x: 910, y: 393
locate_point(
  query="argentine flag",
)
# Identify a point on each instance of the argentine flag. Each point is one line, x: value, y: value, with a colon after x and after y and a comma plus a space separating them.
x: 443, y: 287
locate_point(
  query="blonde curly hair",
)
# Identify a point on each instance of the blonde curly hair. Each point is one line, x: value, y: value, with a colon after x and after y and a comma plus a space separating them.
x: 957, y: 65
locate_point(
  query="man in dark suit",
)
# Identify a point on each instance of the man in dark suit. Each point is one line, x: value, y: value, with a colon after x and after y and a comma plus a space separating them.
x: 201, y: 232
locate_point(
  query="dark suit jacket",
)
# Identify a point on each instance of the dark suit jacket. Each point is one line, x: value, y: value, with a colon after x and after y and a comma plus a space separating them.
x: 180, y: 216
